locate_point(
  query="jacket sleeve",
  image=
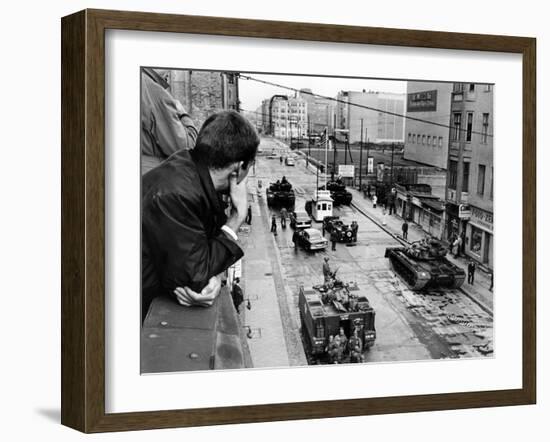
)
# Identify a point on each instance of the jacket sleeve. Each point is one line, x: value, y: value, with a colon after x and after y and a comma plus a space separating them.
x: 173, y: 128
x: 184, y: 254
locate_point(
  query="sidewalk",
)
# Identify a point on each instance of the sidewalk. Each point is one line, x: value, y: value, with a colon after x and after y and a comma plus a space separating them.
x: 479, y: 290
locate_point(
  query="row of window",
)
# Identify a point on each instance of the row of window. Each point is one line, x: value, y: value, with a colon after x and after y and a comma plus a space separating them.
x: 425, y: 140
x: 460, y: 87
x: 458, y: 133
x: 481, y: 172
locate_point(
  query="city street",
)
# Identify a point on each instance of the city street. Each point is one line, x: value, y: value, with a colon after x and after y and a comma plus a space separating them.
x: 409, y: 325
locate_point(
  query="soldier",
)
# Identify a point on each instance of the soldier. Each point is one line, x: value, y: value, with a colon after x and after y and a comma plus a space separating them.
x: 327, y: 273
x: 283, y: 217
x: 343, y: 341
x: 273, y: 225
x: 405, y: 229
x: 355, y: 341
x: 333, y: 239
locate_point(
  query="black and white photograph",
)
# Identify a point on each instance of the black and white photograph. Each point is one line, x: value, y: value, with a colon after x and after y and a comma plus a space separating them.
x: 292, y: 220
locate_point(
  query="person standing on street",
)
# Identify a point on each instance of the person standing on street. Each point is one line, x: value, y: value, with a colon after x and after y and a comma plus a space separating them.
x: 405, y: 229
x: 458, y: 246
x: 249, y: 215
x: 327, y: 272
x: 295, y: 240
x: 384, y: 216
x: 471, y: 271
x: 374, y: 201
x: 283, y: 217
x: 274, y: 225
x: 237, y: 294
x: 354, y: 229
x: 333, y: 239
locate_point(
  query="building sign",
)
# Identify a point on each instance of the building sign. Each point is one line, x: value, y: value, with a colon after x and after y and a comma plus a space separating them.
x: 370, y: 165
x: 346, y: 171
x: 422, y: 101
x: 464, y: 211
x: 380, y: 172
x: 481, y: 218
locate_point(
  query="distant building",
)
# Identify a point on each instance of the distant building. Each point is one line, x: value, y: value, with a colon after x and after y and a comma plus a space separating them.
x: 424, y: 142
x: 469, y: 196
x: 378, y: 126
x: 320, y: 111
x: 285, y: 117
x: 203, y: 93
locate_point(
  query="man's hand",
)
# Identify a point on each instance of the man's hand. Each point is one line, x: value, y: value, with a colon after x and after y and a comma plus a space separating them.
x: 187, y: 297
x: 239, y: 198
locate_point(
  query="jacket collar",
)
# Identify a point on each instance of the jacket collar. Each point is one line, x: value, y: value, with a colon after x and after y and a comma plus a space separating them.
x: 212, y: 195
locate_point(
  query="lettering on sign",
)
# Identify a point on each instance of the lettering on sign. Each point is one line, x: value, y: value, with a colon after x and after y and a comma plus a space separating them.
x: 482, y: 217
x: 346, y: 171
x: 422, y: 101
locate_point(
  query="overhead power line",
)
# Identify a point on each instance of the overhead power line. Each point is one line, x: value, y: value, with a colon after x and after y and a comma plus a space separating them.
x: 362, y: 106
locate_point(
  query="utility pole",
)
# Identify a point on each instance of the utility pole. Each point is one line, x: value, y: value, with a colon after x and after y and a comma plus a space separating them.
x: 308, y: 142
x: 391, y: 172
x: 368, y: 147
x: 361, y: 155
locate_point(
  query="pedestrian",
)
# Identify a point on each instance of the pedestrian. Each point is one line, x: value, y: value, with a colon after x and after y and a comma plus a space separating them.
x: 187, y: 238
x: 283, y: 217
x: 273, y: 225
x: 166, y: 127
x: 492, y: 280
x: 237, y: 294
x: 471, y: 271
x: 354, y: 229
x: 384, y: 216
x: 463, y: 242
x: 333, y: 239
x: 249, y: 215
x: 405, y: 229
x: 458, y: 245
x: 374, y: 200
x: 295, y: 240
x: 281, y: 159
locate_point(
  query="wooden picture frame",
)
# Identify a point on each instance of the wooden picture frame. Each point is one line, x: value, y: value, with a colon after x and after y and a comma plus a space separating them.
x: 83, y: 219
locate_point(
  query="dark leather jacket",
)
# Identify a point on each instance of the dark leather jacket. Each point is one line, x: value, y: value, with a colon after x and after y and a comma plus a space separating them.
x: 182, y: 243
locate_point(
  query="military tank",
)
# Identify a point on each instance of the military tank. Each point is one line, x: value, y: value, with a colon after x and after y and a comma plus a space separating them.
x: 423, y: 265
x: 280, y: 194
x: 328, y: 308
x: 338, y: 192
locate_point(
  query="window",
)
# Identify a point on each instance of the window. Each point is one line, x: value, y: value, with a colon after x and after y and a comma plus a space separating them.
x: 465, y: 176
x: 429, y: 140
x: 458, y: 87
x: 469, y: 126
x: 457, y: 121
x: 475, y: 240
x: 440, y: 141
x: 472, y: 87
x: 488, y: 87
x: 452, y: 174
x: 423, y: 140
x: 410, y: 137
x: 414, y: 138
x: 481, y: 180
x: 434, y: 140
x: 485, y: 128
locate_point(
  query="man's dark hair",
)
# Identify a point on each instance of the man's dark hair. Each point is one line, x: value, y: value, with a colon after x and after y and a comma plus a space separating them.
x: 226, y: 137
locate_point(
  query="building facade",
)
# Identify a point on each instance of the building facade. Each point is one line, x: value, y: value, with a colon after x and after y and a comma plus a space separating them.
x: 378, y: 126
x: 469, y: 196
x: 203, y: 93
x: 424, y: 142
x: 320, y: 112
x: 285, y: 117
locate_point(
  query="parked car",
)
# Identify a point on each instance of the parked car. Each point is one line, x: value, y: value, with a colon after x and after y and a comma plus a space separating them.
x: 289, y: 161
x: 311, y: 239
x: 273, y: 156
x: 344, y: 232
x: 300, y: 220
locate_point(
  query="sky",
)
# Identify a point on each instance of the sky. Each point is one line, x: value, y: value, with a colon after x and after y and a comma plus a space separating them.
x: 251, y: 93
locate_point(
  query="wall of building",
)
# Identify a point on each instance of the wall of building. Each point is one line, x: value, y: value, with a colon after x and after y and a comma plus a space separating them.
x: 378, y: 127
x: 432, y: 153
x: 203, y: 93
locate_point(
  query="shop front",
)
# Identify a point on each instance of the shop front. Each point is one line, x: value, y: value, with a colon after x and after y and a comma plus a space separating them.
x: 479, y: 234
